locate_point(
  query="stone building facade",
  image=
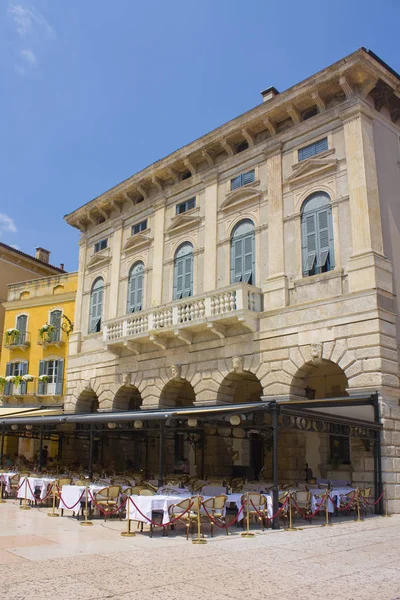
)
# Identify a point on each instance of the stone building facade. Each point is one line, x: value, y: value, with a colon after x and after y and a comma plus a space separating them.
x: 259, y: 261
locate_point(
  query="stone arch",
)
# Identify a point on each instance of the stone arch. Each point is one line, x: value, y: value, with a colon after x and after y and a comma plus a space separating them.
x: 239, y: 387
x: 87, y: 401
x: 177, y: 392
x: 127, y: 397
x: 320, y: 379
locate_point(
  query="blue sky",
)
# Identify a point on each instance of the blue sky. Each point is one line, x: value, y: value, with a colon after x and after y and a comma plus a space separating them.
x: 95, y: 90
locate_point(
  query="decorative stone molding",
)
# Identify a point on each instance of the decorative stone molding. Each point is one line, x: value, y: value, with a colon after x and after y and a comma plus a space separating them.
x: 316, y: 353
x: 139, y: 240
x: 246, y: 194
x: 176, y: 371
x: 237, y: 364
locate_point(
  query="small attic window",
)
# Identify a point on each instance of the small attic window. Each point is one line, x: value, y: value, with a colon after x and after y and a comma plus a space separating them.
x: 186, y: 175
x: 242, y: 146
x: 310, y: 112
x: 100, y: 220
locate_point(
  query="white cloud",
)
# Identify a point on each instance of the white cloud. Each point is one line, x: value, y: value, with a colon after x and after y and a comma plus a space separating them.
x: 30, y: 20
x: 28, y: 55
x: 7, y: 224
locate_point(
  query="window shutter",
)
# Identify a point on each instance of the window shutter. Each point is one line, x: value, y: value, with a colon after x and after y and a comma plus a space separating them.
x: 24, y: 371
x: 42, y: 371
x: 60, y: 377
x: 323, y: 235
x: 321, y: 145
x: 21, y: 323
x: 311, y: 237
x: 236, y: 182
x: 9, y: 372
x: 188, y: 276
x: 55, y: 320
x: 248, y: 177
x: 248, y: 259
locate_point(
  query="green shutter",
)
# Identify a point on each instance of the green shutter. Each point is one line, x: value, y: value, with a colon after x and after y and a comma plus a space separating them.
x: 60, y: 377
x: 42, y: 371
x: 9, y: 372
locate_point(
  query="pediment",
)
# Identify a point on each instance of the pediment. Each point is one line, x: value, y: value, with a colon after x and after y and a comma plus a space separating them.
x: 139, y: 240
x: 240, y: 196
x: 310, y: 167
x: 182, y: 222
x: 100, y: 259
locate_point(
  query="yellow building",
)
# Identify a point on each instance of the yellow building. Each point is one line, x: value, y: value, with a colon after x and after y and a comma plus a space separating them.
x: 38, y: 320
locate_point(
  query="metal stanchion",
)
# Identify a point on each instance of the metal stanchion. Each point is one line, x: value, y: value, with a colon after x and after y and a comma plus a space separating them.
x: 327, y: 523
x: 358, y: 518
x: 25, y: 505
x: 247, y: 533
x: 86, y: 522
x: 53, y: 512
x: 290, y: 528
x: 199, y: 539
x: 1, y: 490
x: 128, y: 532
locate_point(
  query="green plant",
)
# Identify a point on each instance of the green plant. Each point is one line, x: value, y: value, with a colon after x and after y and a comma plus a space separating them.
x: 3, y: 382
x: 46, y: 330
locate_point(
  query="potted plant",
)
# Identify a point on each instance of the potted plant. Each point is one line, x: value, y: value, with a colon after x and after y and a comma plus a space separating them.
x: 27, y: 377
x: 43, y: 378
x: 3, y: 382
x: 11, y: 335
x: 45, y: 332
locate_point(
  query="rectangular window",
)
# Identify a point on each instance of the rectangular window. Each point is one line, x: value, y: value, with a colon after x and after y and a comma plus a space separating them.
x: 313, y: 149
x: 185, y: 206
x: 101, y: 245
x: 243, y: 179
x: 54, y: 372
x: 142, y: 226
x: 339, y: 450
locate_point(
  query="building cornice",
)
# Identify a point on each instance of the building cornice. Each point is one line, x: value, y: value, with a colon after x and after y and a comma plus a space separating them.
x: 352, y: 76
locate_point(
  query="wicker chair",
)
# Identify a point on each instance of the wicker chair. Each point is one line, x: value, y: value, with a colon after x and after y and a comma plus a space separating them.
x: 257, y: 508
x: 185, y: 512
x: 303, y: 502
x: 108, y: 498
x: 215, y: 507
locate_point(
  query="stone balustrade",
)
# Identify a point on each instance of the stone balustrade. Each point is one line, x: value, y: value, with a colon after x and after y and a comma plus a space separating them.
x: 238, y: 302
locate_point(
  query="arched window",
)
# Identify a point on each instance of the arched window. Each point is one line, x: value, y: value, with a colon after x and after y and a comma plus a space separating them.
x: 135, y: 287
x: 96, y: 305
x: 243, y: 252
x: 317, y: 235
x: 183, y: 271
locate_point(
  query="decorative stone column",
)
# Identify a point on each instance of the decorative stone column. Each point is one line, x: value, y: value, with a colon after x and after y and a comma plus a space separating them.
x: 367, y: 267
x: 275, y: 287
x: 210, y: 233
x: 158, y: 252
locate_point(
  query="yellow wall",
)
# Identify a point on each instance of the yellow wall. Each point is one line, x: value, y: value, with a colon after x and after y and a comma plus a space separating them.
x: 37, y: 299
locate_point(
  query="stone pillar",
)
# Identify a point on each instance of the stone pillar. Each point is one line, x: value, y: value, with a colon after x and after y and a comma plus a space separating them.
x: 210, y: 234
x: 74, y: 341
x: 158, y: 252
x: 112, y: 299
x: 275, y: 287
x: 367, y: 267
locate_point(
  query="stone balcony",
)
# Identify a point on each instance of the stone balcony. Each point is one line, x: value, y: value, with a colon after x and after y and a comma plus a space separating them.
x: 238, y: 304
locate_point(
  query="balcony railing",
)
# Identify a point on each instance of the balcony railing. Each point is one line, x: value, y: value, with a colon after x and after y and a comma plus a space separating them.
x: 56, y: 337
x: 214, y: 311
x: 49, y: 389
x: 17, y: 340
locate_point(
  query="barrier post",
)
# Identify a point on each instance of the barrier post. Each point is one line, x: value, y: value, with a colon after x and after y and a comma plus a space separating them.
x: 247, y: 533
x: 1, y: 490
x: 327, y: 523
x: 86, y: 522
x: 128, y: 532
x: 199, y: 539
x: 53, y: 512
x: 358, y: 518
x: 25, y: 506
x: 290, y: 528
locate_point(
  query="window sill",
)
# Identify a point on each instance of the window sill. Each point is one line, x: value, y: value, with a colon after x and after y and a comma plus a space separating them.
x: 335, y: 273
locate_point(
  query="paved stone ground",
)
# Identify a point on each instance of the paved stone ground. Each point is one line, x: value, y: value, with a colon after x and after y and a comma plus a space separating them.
x: 45, y: 558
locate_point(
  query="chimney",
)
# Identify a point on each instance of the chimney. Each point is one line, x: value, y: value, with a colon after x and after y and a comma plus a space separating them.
x: 269, y: 94
x: 43, y: 255
x: 62, y: 266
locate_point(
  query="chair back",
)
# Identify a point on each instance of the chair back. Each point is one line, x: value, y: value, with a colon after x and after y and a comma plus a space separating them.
x: 114, y: 492
x: 64, y: 481
x: 216, y: 502
x: 302, y: 496
x: 135, y: 490
x: 83, y: 482
x: 258, y: 500
x: 15, y: 479
x: 177, y: 510
x: 145, y: 492
x: 367, y: 493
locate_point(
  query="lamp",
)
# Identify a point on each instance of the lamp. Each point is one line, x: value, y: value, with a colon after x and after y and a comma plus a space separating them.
x: 14, y: 427
x: 235, y: 420
x: 28, y: 427
x: 111, y: 425
x: 138, y: 424
x: 192, y: 422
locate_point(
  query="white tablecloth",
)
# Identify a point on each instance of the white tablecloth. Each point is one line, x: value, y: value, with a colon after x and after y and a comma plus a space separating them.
x: 34, y: 482
x: 336, y: 495
x: 6, y: 480
x: 148, y: 504
x: 72, y: 495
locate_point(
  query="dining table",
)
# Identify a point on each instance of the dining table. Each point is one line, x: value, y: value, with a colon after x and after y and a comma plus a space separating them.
x: 73, y: 495
x: 334, y: 500
x: 6, y: 478
x: 28, y: 485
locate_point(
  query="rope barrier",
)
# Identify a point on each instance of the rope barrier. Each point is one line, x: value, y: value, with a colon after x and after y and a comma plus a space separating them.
x: 273, y: 516
x: 348, y: 505
x: 161, y: 524
x: 376, y: 501
x: 303, y: 512
x: 104, y: 511
x: 65, y: 505
x: 226, y: 526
